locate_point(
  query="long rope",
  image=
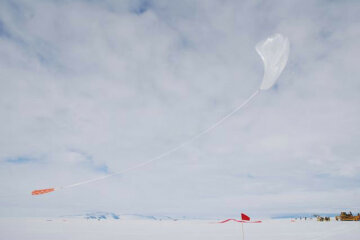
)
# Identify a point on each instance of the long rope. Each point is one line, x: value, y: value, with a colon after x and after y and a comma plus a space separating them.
x: 172, y: 150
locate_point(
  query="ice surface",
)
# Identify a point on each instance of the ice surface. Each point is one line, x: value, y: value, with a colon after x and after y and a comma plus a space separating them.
x: 45, y: 229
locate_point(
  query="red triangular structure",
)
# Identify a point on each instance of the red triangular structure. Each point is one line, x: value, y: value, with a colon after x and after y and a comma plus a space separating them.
x: 230, y: 219
x: 239, y: 221
x: 245, y: 217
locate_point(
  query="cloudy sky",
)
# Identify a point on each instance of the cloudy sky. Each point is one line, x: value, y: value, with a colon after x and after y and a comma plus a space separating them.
x: 94, y: 87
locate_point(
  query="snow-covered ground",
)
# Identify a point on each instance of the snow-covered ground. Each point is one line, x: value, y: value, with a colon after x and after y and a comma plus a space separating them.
x: 75, y: 228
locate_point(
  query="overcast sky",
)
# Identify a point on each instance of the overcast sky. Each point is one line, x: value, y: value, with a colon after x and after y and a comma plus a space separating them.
x: 94, y: 87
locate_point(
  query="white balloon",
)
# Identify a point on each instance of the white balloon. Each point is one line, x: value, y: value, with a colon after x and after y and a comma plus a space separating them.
x: 274, y: 51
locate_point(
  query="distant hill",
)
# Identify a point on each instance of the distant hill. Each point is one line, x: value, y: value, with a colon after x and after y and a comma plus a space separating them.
x: 115, y: 216
x: 308, y: 215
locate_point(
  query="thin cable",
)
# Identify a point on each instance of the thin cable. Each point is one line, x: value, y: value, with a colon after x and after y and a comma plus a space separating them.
x: 172, y: 150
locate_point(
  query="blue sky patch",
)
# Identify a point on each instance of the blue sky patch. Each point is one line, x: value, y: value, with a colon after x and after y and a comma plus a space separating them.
x: 102, y: 168
x: 20, y: 160
x: 3, y: 31
x: 142, y: 7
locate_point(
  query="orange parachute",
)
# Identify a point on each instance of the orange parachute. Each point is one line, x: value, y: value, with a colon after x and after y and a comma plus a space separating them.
x: 42, y: 191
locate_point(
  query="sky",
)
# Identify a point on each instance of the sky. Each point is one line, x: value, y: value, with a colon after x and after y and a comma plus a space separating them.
x: 89, y: 88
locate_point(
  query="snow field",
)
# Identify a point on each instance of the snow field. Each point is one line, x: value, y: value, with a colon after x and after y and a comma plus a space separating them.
x: 78, y: 229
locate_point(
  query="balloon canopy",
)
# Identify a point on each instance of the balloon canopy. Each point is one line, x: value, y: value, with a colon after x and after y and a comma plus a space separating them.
x: 274, y: 52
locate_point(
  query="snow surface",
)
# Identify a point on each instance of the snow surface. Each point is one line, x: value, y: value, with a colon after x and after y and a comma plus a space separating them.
x: 75, y: 228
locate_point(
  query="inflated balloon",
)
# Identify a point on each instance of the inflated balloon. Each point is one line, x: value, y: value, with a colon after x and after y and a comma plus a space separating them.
x: 274, y: 52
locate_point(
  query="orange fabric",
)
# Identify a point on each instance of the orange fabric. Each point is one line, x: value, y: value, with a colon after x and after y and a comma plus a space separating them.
x: 42, y: 191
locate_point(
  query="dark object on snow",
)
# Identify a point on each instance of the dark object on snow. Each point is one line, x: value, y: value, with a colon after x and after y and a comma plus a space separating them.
x: 348, y: 217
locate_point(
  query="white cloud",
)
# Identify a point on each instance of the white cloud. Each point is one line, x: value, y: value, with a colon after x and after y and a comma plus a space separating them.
x: 87, y: 85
